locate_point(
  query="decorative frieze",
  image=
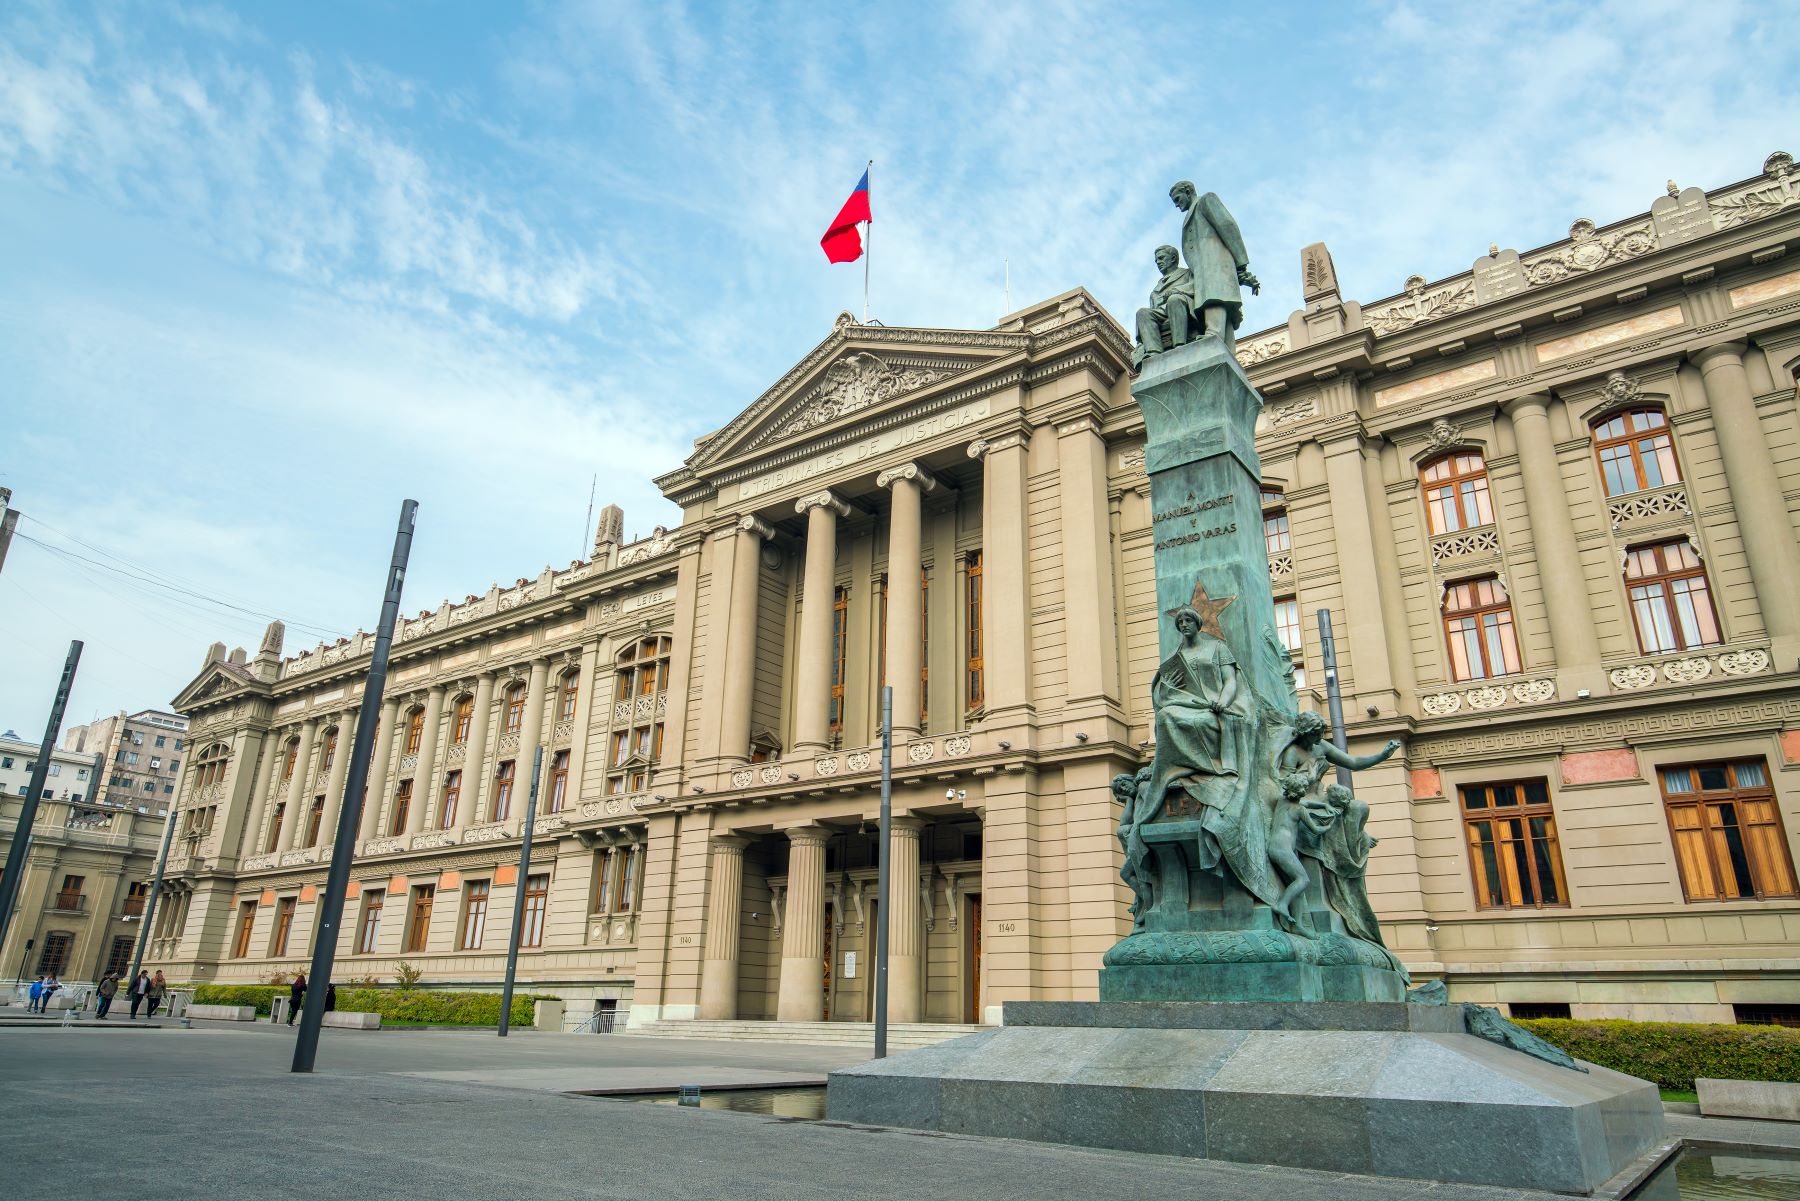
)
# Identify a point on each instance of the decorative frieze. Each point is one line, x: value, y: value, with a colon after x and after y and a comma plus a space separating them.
x: 409, y: 762
x: 1477, y: 543
x: 827, y: 766
x: 1638, y: 675
x: 297, y: 858
x: 1639, y: 508
x: 743, y: 777
x: 1281, y: 567
x: 1487, y: 697
x: 1687, y: 671
x: 857, y: 761
x: 921, y: 752
x: 384, y: 846
x: 1745, y: 662
x: 257, y: 863
x: 497, y: 832
x: 771, y: 774
x: 431, y: 840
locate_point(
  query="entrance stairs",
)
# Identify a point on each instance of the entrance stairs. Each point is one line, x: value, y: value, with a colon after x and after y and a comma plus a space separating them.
x: 855, y: 1034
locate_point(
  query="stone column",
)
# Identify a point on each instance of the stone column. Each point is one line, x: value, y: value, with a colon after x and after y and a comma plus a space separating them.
x: 1573, y: 635
x: 1763, y: 519
x: 475, y: 775
x: 1365, y: 628
x: 584, y: 716
x: 904, y: 592
x: 295, y: 817
x: 812, y: 699
x: 905, y: 941
x: 719, y: 970
x: 1005, y: 609
x: 334, y: 785
x: 259, y: 793
x: 802, y: 995
x: 740, y: 638
x: 425, y: 771
x: 378, y: 770
x: 1091, y: 615
x: 531, y: 732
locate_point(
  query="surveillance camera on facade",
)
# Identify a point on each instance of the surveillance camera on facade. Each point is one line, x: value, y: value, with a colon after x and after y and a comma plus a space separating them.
x: 949, y: 794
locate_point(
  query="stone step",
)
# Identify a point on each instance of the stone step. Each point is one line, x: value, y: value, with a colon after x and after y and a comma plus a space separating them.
x: 900, y: 1037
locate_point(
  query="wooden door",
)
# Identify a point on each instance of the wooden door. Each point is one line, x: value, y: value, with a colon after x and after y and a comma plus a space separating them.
x: 972, y: 966
x: 865, y: 966
x: 829, y: 951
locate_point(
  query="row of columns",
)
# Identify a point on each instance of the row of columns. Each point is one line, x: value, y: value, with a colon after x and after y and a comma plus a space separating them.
x: 800, y: 995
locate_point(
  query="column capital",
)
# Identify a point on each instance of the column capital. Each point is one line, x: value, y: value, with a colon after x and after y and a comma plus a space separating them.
x: 982, y: 447
x: 905, y: 827
x: 907, y: 471
x: 729, y: 844
x: 750, y: 523
x: 827, y: 498
x: 1708, y: 357
x: 1539, y: 401
x: 808, y: 836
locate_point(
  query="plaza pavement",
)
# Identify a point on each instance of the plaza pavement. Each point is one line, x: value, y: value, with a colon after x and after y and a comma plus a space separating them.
x: 213, y: 1112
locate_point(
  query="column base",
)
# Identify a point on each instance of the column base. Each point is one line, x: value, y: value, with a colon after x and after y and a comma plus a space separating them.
x: 802, y: 997
x: 718, y: 990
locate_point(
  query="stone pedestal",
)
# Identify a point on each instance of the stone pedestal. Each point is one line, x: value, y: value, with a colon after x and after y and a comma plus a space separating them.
x: 1378, y: 1089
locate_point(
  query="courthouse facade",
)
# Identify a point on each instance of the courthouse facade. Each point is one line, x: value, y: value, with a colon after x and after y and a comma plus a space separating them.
x: 1549, y: 503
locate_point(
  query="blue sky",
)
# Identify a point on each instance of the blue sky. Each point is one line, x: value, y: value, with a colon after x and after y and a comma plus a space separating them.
x: 266, y: 270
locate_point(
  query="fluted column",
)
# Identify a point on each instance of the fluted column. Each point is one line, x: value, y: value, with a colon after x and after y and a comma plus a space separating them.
x: 334, y: 786
x: 812, y: 699
x: 802, y: 995
x: 475, y: 774
x: 724, y: 897
x: 584, y: 718
x: 259, y: 793
x: 1005, y: 607
x: 295, y: 817
x: 1573, y: 635
x: 740, y: 638
x: 425, y: 771
x: 1366, y: 630
x: 1756, y: 498
x: 905, y: 944
x: 531, y: 732
x: 904, y: 591
x: 378, y: 770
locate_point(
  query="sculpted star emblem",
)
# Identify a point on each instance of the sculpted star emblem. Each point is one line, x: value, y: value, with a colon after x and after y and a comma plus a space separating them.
x: 1208, y: 609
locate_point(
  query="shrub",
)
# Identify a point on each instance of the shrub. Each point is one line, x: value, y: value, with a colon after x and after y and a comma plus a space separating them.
x: 435, y: 1008
x: 406, y: 976
x: 1672, y: 1054
x: 259, y: 995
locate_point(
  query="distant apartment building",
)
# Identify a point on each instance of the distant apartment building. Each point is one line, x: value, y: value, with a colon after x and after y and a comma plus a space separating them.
x: 142, y: 754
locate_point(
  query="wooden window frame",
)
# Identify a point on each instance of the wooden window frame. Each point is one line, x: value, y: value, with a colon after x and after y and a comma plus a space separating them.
x: 1274, y: 510
x: 420, y: 903
x: 628, y: 877
x: 1507, y: 630
x: 59, y: 948
x: 603, y: 881
x: 1762, y: 841
x: 328, y: 755
x: 315, y: 821
x: 1506, y: 864
x: 635, y: 749
x: 452, y: 795
x: 275, y: 821
x: 1466, y: 491
x: 536, y: 899
x: 504, y: 774
x: 514, y: 719
x: 1630, y: 440
x: 403, y: 799
x: 118, y: 957
x: 415, y: 731
x: 476, y: 895
x: 559, y: 782
x: 293, y: 758
x: 368, y: 926
x: 1296, y: 652
x: 1663, y: 582
x: 284, y: 926
x: 465, y: 717
x: 571, y: 694
x: 240, y: 944
x: 840, y: 652
x: 974, y: 666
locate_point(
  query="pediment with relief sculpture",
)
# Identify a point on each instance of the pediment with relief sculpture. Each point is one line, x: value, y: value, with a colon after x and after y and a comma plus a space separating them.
x: 216, y: 682
x: 858, y: 369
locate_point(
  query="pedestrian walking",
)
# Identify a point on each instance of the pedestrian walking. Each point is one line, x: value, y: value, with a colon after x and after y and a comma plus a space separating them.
x: 37, y: 995
x: 153, y: 998
x: 296, y: 994
x: 51, y: 987
x: 140, y: 988
x: 330, y: 997
x: 108, y: 989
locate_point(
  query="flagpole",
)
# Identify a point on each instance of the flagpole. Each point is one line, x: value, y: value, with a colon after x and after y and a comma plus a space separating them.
x: 868, y: 250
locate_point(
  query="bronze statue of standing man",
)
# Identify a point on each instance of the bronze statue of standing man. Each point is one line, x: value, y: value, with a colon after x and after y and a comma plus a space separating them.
x: 1204, y: 299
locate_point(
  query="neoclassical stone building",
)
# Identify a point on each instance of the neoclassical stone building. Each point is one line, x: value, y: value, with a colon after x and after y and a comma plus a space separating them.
x: 1549, y: 503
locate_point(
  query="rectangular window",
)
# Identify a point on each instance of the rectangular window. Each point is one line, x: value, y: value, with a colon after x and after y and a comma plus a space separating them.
x: 418, y: 920
x: 1729, y: 844
x: 314, y: 817
x: 131, y: 757
x: 284, y: 922
x: 415, y: 731
x: 1671, y: 604
x: 1527, y: 1010
x: 368, y: 934
x: 1478, y: 628
x: 54, y: 960
x: 559, y: 781
x: 924, y: 649
x: 159, y: 740
x: 1766, y: 1014
x: 1287, y: 628
x: 515, y: 708
x: 603, y: 887
x: 465, y: 715
x: 975, y: 692
x: 475, y: 906
x: 571, y: 691
x: 452, y: 794
x: 118, y: 959
x: 402, y: 803
x: 537, y: 896
x: 246, y: 920
x: 1512, y: 845
x: 1276, y: 535
x: 70, y: 895
x: 628, y: 882
x: 136, y: 896
x: 275, y: 828
x: 503, y: 786
x: 840, y: 643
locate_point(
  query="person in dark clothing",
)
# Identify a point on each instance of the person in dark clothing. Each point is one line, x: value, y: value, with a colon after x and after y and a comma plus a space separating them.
x: 108, y: 989
x: 296, y: 994
x: 140, y: 988
x: 330, y: 997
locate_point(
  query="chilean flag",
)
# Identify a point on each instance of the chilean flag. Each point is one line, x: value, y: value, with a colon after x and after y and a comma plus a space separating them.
x: 842, y: 244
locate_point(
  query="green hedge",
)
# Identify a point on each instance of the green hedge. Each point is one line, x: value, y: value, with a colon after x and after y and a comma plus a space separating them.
x: 1671, y: 1054
x: 419, y: 1005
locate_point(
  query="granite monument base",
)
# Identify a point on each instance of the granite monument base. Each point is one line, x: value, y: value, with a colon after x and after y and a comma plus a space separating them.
x: 1385, y: 1089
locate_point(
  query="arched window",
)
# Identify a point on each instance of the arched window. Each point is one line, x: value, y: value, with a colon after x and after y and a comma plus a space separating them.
x: 1671, y: 604
x: 1275, y: 521
x: 1636, y: 451
x: 1478, y: 628
x: 210, y: 765
x: 329, y: 754
x: 465, y: 714
x: 635, y: 748
x: 571, y: 691
x: 1456, y: 492
x: 291, y: 759
x: 515, y: 708
x: 415, y: 731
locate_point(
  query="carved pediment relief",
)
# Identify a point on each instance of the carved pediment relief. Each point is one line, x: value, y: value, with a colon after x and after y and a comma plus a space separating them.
x: 213, y: 684
x: 857, y: 381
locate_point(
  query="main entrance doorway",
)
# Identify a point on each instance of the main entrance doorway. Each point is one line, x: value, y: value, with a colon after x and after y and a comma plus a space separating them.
x: 972, y: 962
